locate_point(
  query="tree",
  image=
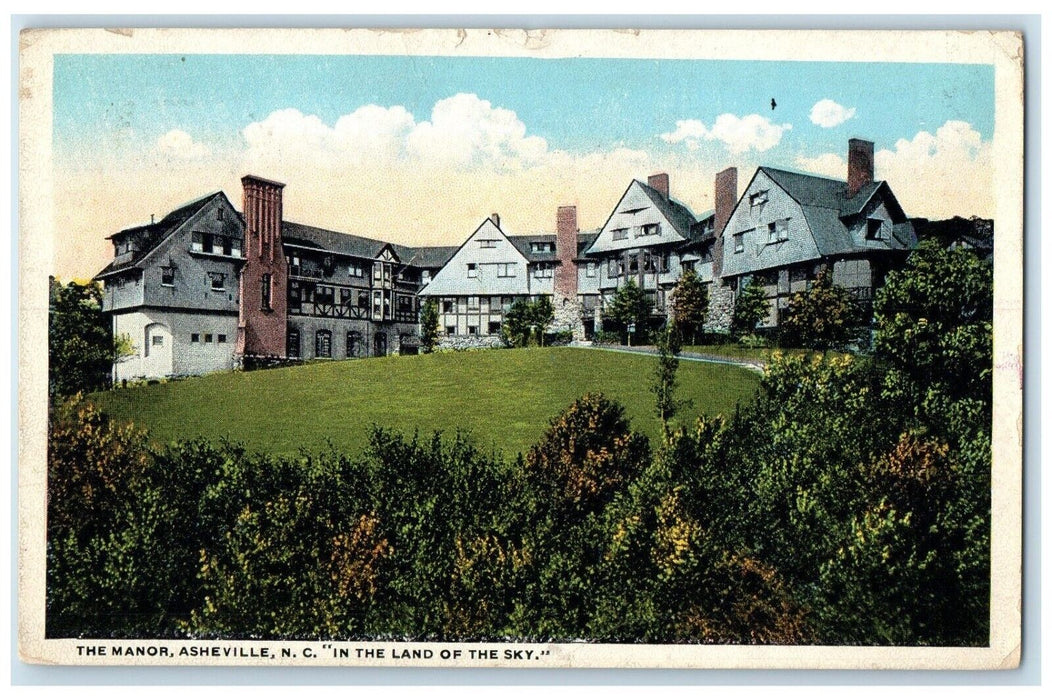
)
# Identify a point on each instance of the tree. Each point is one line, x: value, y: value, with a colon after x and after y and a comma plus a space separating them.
x: 751, y: 307
x: 541, y: 314
x: 630, y: 307
x: 81, y: 346
x: 664, y: 387
x: 429, y: 325
x: 822, y: 317
x: 690, y: 303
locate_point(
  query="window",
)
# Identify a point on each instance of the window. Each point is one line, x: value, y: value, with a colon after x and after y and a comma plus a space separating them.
x: 875, y: 230
x: 378, y: 304
x: 542, y: 247
x: 487, y: 243
x: 739, y: 243
x: 355, y: 270
x: 473, y: 303
x: 451, y: 330
x: 613, y: 267
x: 217, y: 281
x: 208, y: 338
x: 758, y: 198
x: 219, y: 214
x: 207, y: 243
x: 168, y: 276
x: 505, y: 269
x: 648, y: 262
x: 473, y: 330
x: 221, y: 338
x: 345, y: 297
x: 324, y: 295
x: 228, y: 246
x: 363, y: 300
x: 473, y: 270
x: 494, y: 327
x: 264, y: 292
x: 292, y: 343
x: 405, y: 304
x: 620, y: 234
x: 665, y: 262
x: 542, y: 270
x: 294, y: 265
x: 158, y: 341
x: 778, y: 231
x: 323, y: 343
x: 589, y: 270
x: 650, y: 230
x: 196, y: 243
x: 494, y: 304
x: 195, y: 337
x: 447, y: 306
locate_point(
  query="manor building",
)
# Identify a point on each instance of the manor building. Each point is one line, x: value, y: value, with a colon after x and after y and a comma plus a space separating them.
x: 209, y: 287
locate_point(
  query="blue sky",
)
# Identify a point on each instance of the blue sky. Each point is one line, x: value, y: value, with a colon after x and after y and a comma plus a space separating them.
x: 419, y: 149
x: 576, y: 104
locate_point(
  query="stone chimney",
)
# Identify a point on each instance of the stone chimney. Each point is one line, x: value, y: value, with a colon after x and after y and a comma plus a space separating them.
x: 724, y: 200
x: 495, y: 218
x: 264, y: 277
x: 659, y: 182
x: 859, y: 165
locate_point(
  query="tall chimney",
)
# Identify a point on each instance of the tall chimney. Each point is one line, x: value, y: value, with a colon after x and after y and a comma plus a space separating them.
x: 859, y: 165
x: 264, y: 277
x: 565, y: 283
x: 495, y: 218
x: 659, y: 182
x: 725, y: 199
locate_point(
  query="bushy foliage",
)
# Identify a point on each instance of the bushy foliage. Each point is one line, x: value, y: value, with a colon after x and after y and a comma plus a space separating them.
x: 81, y: 345
x: 630, y: 307
x: 428, y: 325
x: 526, y: 321
x: 751, y: 306
x: 690, y: 304
x: 822, y: 317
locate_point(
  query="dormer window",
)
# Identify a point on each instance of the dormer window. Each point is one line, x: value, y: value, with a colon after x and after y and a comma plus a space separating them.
x: 620, y: 234
x: 758, y: 198
x: 778, y: 231
x: 168, y: 276
x: 875, y: 230
x: 542, y: 247
x: 650, y: 230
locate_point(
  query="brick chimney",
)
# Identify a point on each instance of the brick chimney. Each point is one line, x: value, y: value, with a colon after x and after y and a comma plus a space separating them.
x: 659, y: 182
x: 725, y: 199
x: 859, y: 165
x: 264, y: 277
x: 495, y: 218
x: 565, y: 283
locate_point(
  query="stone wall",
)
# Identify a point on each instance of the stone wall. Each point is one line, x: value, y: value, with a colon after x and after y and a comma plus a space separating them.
x: 454, y: 343
x: 721, y: 309
x: 568, y: 317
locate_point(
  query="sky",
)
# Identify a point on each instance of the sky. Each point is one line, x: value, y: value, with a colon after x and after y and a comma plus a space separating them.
x: 419, y: 150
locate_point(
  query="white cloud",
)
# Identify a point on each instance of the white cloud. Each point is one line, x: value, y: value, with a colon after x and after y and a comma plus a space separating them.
x: 948, y: 173
x: 739, y: 134
x: 827, y: 113
x: 180, y: 145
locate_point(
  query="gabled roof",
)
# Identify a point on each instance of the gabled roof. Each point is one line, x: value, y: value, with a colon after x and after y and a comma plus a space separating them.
x: 828, y: 208
x: 152, y: 235
x: 677, y: 214
x: 314, y: 238
x: 433, y: 256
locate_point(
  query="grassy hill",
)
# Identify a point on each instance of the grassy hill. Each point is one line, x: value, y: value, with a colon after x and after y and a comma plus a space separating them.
x: 504, y: 399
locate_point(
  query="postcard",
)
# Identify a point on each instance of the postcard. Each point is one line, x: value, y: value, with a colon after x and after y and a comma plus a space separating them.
x: 528, y: 349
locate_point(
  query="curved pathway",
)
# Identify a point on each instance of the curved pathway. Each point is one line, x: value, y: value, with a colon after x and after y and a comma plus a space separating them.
x: 754, y: 365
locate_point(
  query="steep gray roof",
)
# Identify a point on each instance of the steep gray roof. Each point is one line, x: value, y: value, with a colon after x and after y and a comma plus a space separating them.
x: 432, y: 256
x: 677, y: 214
x: 361, y: 247
x: 828, y: 208
x: 151, y: 235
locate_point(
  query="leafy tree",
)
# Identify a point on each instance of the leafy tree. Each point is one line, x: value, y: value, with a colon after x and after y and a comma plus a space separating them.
x: 541, y: 314
x: 822, y: 317
x: 751, y: 307
x: 81, y: 346
x: 690, y: 304
x: 664, y: 386
x: 630, y: 307
x: 934, y: 323
x: 429, y: 325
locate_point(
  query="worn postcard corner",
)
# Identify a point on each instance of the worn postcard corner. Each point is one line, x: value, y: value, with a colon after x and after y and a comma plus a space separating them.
x: 468, y: 348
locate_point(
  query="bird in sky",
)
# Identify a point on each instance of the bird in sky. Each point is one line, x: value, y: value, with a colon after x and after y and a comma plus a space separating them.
x: 773, y: 103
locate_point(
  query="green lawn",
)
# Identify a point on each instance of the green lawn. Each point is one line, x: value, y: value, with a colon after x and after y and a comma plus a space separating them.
x: 503, y: 398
